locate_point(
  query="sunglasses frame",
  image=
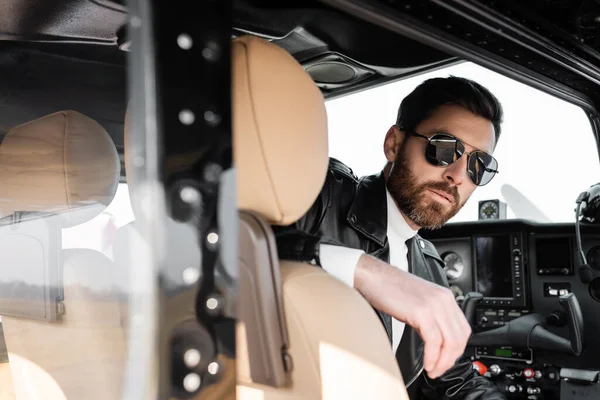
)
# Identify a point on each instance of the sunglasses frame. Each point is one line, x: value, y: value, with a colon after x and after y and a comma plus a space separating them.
x: 429, y: 138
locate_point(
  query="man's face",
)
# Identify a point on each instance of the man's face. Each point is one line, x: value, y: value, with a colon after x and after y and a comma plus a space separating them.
x: 428, y: 195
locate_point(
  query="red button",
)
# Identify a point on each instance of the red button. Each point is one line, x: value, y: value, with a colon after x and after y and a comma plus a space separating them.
x: 480, y: 367
x: 528, y: 373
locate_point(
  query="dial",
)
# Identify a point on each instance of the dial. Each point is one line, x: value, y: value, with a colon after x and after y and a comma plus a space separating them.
x: 488, y: 210
x: 594, y: 257
x: 454, y: 265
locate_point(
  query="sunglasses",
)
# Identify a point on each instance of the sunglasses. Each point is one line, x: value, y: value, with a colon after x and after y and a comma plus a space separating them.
x: 443, y: 149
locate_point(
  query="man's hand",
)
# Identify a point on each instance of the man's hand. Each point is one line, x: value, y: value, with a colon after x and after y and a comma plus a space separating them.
x: 428, y: 308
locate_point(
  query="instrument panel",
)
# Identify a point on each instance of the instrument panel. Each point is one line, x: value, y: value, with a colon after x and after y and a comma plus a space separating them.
x: 522, y: 268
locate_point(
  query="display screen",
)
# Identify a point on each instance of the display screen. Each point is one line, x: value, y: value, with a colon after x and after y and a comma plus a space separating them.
x: 553, y: 254
x: 494, y: 271
x: 504, y: 352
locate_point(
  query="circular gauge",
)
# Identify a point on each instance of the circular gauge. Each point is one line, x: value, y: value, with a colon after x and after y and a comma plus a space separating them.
x: 454, y: 265
x: 488, y: 210
x: 593, y: 257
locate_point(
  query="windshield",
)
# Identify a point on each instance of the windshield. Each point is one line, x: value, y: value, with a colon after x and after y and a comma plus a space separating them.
x: 547, y: 153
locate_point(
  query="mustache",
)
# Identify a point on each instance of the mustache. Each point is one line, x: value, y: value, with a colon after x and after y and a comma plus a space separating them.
x: 445, y: 187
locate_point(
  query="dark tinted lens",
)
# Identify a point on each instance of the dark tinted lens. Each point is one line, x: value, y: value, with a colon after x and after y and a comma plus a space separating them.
x: 443, y: 150
x: 482, y: 168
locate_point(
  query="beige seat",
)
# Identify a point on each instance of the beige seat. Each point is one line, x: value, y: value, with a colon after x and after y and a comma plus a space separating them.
x: 58, y: 172
x: 302, y: 334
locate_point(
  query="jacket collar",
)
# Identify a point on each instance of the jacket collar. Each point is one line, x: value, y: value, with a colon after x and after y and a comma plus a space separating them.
x: 368, y: 213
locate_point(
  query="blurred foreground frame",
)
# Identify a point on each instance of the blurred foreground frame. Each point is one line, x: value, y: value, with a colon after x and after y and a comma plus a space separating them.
x: 182, y: 185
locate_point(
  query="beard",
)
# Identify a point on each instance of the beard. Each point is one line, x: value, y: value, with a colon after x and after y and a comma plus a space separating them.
x: 413, y: 200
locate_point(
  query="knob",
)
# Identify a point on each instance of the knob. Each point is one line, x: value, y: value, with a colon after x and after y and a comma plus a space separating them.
x: 557, y: 318
x: 512, y: 388
x: 495, y: 370
x: 532, y: 390
x: 483, y: 320
x: 537, y: 375
x: 528, y: 373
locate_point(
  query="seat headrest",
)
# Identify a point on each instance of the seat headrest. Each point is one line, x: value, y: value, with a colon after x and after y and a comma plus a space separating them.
x: 280, y: 142
x: 64, y: 163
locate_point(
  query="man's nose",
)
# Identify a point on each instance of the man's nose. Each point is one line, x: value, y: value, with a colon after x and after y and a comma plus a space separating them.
x: 456, y: 172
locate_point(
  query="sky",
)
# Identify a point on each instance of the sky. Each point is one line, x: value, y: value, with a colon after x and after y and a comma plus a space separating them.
x: 547, y: 154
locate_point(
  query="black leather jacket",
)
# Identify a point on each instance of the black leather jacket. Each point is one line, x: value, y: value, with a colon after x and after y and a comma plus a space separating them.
x: 353, y: 213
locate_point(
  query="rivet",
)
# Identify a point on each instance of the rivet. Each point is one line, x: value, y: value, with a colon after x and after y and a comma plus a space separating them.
x: 212, y: 238
x: 211, y: 51
x: 212, y: 303
x: 353, y: 219
x: 212, y: 172
x: 192, y: 382
x: 184, y: 41
x: 212, y: 118
x: 191, y: 275
x: 191, y: 358
x: 213, y: 368
x: 186, y: 117
x: 189, y: 195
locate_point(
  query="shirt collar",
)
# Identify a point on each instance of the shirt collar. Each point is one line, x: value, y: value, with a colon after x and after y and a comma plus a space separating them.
x: 396, y: 221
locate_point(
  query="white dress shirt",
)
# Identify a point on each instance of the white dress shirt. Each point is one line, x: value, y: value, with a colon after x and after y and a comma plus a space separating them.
x: 341, y: 261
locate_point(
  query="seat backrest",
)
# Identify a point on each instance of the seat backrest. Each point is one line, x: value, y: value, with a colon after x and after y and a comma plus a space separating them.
x: 63, y: 326
x: 301, y: 333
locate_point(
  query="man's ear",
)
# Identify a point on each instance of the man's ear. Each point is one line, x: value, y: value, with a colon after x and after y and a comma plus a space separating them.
x: 394, y: 138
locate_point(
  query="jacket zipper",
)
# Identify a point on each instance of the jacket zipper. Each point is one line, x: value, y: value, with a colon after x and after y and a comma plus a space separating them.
x: 414, y: 378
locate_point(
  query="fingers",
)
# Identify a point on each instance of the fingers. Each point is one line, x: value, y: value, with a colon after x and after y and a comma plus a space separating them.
x: 432, y: 337
x: 453, y: 346
x: 445, y: 337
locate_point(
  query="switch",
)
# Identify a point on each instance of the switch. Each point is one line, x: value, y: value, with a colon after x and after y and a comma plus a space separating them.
x: 480, y: 367
x: 495, y: 370
x: 562, y: 292
x: 553, y: 292
x: 533, y: 390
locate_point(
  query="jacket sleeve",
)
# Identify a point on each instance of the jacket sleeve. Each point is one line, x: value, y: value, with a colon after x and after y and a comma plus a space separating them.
x: 301, y: 240
x: 461, y: 382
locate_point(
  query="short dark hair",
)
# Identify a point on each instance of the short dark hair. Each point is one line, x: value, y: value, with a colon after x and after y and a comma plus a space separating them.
x: 422, y: 102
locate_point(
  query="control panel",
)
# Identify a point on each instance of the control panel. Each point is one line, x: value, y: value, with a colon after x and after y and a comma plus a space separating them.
x: 519, y: 380
x: 501, y: 270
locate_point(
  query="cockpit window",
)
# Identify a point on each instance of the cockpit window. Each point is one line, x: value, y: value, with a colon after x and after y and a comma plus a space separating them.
x: 546, y: 153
